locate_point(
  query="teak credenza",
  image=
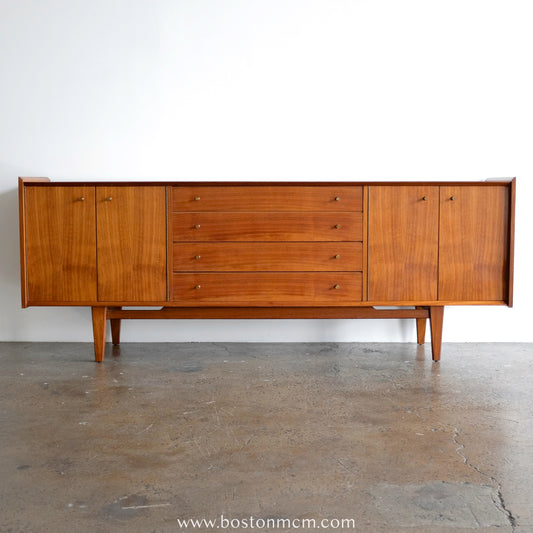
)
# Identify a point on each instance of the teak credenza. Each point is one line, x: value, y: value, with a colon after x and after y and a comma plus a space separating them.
x: 266, y: 250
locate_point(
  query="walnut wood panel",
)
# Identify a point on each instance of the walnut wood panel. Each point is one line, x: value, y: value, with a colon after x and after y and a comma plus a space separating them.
x: 267, y: 256
x: 474, y: 245
x: 131, y: 243
x: 267, y: 288
x: 403, y: 243
x: 267, y: 198
x: 60, y: 239
x: 267, y: 226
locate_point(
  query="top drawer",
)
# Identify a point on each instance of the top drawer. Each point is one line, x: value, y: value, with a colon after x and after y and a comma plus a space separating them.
x: 267, y: 198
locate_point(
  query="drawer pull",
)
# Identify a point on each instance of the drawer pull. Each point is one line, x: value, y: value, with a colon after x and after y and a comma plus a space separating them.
x: 198, y: 287
x: 425, y: 198
x: 197, y: 198
x: 337, y: 226
x: 337, y: 198
x: 452, y: 198
x: 81, y: 199
x: 337, y: 256
x: 336, y: 286
x: 198, y: 257
x: 197, y: 226
x: 109, y: 198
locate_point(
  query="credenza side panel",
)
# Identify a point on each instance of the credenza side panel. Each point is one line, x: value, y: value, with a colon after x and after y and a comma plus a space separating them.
x: 474, y: 243
x: 60, y: 239
x: 403, y: 243
x: 132, y: 243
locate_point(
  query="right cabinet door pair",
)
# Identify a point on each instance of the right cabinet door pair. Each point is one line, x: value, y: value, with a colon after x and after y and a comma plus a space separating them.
x: 438, y: 243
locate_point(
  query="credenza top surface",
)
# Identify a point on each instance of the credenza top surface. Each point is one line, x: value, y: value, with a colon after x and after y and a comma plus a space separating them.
x: 170, y: 183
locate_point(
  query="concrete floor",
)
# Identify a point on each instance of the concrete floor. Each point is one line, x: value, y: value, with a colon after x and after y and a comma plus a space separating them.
x: 371, y: 432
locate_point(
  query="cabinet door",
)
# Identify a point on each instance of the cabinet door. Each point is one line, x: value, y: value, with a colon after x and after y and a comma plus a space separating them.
x: 60, y: 238
x: 131, y: 237
x: 473, y: 251
x: 402, y: 243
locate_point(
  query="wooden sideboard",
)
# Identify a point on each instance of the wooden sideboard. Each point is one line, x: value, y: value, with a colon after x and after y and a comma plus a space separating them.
x: 266, y: 250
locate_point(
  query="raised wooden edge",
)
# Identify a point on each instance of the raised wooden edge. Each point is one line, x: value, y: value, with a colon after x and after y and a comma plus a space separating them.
x: 36, y: 180
x: 265, y: 312
x: 22, y: 232
x: 512, y: 202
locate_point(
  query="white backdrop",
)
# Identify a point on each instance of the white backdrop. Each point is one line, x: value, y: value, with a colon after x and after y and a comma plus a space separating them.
x: 265, y: 90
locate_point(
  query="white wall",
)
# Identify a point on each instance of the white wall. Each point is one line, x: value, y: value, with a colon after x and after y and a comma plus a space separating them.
x: 265, y: 90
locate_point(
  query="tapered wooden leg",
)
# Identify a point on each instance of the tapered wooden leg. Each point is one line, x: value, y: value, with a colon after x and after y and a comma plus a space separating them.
x: 115, y: 328
x: 421, y: 329
x: 99, y: 330
x: 436, y: 316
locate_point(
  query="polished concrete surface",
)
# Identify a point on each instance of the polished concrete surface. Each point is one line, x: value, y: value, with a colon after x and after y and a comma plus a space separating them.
x: 376, y: 433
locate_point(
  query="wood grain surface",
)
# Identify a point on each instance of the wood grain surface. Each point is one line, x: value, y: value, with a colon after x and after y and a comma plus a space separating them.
x: 403, y: 243
x: 267, y: 256
x: 474, y: 243
x: 60, y: 241
x: 272, y: 198
x: 132, y: 246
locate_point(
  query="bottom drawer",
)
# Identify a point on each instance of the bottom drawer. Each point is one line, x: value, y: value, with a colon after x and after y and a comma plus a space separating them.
x: 268, y: 289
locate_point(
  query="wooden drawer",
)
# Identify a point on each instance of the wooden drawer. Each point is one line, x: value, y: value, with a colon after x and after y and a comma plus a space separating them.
x: 267, y: 198
x: 267, y: 288
x: 267, y: 256
x: 267, y: 227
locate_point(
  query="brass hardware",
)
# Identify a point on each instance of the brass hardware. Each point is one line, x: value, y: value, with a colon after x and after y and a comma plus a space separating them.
x: 82, y: 199
x: 452, y: 198
x: 109, y: 198
x: 337, y: 226
x: 198, y: 287
x: 425, y: 198
x: 337, y: 256
x: 197, y: 226
x: 197, y: 257
x: 337, y: 198
x: 336, y: 286
x: 196, y: 198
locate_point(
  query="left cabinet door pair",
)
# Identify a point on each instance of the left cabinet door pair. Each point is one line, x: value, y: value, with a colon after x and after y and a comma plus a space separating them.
x: 89, y: 244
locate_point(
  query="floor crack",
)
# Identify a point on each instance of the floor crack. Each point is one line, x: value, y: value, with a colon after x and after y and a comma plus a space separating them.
x: 501, y: 502
x: 222, y: 346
